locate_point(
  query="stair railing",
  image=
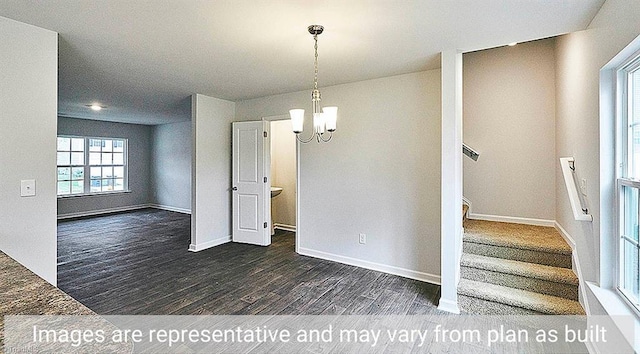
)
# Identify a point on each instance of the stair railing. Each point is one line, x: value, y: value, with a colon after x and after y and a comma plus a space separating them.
x: 471, y: 153
x: 580, y: 211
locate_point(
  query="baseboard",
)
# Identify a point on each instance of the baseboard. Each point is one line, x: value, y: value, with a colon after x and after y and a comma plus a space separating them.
x: 212, y: 243
x: 102, y: 211
x: 285, y: 227
x: 512, y: 219
x: 449, y: 306
x: 582, y: 284
x: 406, y: 273
x: 170, y: 208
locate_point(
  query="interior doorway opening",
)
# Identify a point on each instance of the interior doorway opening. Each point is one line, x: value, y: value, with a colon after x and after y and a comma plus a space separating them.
x: 283, y: 175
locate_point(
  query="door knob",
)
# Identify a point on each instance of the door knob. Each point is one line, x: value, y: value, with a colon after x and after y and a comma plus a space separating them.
x: 234, y: 188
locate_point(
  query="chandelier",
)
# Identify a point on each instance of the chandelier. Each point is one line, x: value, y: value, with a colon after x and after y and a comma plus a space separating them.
x: 324, y: 119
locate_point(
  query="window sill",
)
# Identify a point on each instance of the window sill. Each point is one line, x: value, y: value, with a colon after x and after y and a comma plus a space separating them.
x: 615, y: 305
x: 100, y: 194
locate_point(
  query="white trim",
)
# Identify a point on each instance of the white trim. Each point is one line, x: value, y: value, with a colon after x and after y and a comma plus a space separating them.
x: 582, y: 284
x: 512, y: 219
x: 284, y: 227
x: 467, y: 202
x: 170, y: 208
x: 403, y: 272
x: 615, y: 307
x: 591, y: 348
x: 449, y: 306
x: 212, y: 243
x: 102, y: 211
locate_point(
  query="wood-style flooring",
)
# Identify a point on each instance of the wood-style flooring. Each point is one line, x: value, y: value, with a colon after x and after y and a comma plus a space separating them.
x: 138, y: 263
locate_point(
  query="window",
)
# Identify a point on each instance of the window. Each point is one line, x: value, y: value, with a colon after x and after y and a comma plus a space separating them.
x: 628, y: 180
x: 91, y: 165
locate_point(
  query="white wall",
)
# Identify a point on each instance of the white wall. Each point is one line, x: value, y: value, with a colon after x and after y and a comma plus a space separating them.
x: 580, y: 56
x: 283, y: 172
x: 138, y: 166
x: 211, y: 171
x: 380, y: 175
x: 509, y: 117
x: 171, y: 166
x: 28, y: 105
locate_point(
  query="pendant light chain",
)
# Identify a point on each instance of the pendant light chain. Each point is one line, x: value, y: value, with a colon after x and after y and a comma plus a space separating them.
x: 315, y: 64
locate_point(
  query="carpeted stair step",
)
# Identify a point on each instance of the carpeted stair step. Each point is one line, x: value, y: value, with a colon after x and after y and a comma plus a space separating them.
x: 525, y: 243
x: 479, y: 298
x: 561, y: 282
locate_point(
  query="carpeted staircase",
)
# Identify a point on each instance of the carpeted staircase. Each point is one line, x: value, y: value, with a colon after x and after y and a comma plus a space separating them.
x: 514, y: 269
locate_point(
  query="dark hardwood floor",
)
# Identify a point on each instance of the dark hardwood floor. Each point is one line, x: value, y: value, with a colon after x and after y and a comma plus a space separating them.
x: 138, y: 263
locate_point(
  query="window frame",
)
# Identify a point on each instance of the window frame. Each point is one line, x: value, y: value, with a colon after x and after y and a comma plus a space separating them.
x: 87, y: 167
x: 622, y: 178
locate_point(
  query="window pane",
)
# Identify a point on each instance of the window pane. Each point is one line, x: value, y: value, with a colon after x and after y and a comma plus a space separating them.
x: 77, y: 173
x: 103, y: 154
x: 630, y: 274
x: 118, y: 172
x: 95, y: 173
x: 64, y: 158
x: 94, y: 158
x: 118, y: 159
x: 107, y: 172
x: 64, y: 144
x: 633, y: 121
x: 64, y: 188
x: 118, y: 145
x: 107, y: 158
x: 63, y: 173
x: 630, y: 212
x: 77, y: 158
x: 77, y: 144
x: 107, y: 185
x: 107, y: 145
x: 77, y: 187
x: 95, y: 185
x: 635, y: 95
x: 95, y: 144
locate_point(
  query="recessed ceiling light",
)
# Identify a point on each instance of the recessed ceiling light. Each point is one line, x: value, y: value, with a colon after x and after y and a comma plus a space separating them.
x: 512, y: 44
x: 95, y: 107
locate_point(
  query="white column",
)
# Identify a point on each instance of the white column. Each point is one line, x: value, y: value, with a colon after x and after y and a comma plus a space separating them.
x: 451, y: 200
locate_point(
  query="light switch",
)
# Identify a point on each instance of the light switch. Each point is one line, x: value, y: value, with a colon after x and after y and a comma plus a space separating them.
x: 27, y: 187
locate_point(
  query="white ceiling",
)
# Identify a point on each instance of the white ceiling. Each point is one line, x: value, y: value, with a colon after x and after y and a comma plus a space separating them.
x: 143, y: 59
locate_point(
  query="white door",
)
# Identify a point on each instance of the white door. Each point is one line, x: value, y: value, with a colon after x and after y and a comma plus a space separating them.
x: 251, y: 198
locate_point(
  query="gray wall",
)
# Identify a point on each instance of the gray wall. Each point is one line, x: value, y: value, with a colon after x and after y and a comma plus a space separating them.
x: 211, y: 171
x: 509, y: 117
x: 139, y: 157
x: 28, y: 102
x: 580, y: 56
x: 171, y: 166
x: 380, y: 175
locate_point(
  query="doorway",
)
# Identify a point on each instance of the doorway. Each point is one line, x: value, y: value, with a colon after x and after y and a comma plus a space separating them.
x: 283, y: 174
x: 258, y: 180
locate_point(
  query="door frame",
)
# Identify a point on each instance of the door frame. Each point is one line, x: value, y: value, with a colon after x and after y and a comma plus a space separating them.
x: 267, y: 153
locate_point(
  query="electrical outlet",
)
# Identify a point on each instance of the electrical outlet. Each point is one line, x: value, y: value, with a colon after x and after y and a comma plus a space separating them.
x: 362, y: 239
